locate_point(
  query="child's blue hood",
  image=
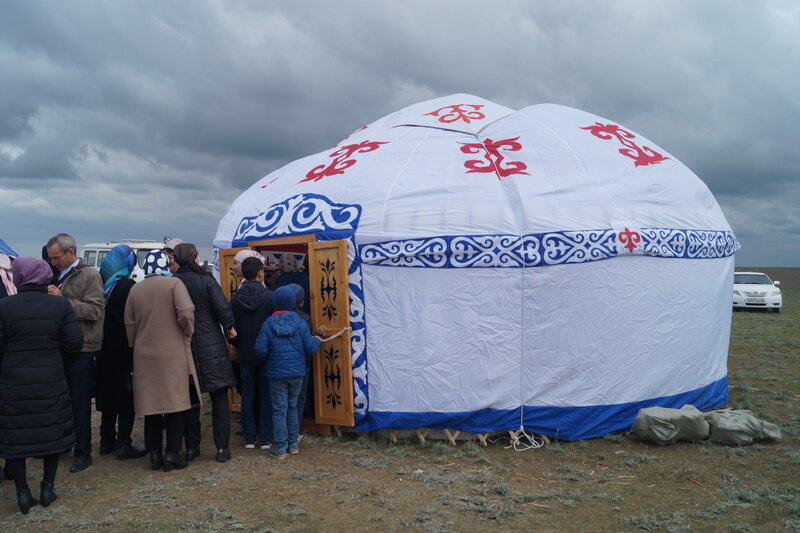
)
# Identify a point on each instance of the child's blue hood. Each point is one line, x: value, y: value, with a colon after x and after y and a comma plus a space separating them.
x: 284, y: 324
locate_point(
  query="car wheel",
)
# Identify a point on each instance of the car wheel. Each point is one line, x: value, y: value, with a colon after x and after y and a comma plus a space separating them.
x: 777, y: 310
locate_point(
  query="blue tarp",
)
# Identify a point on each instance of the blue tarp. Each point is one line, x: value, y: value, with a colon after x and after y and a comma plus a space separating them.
x: 6, y: 249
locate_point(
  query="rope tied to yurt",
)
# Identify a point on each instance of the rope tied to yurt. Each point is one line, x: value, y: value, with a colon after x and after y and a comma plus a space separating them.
x: 337, y: 334
x: 520, y: 441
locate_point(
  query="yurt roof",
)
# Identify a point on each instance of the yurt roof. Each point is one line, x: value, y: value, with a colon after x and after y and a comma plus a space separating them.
x: 462, y: 165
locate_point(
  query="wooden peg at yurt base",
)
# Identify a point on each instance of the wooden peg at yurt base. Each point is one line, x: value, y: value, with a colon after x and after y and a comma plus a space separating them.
x: 452, y: 436
x: 422, y: 434
x: 393, y: 436
x: 482, y: 439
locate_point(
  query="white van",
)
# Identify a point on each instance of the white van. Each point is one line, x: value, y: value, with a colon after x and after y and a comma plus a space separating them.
x: 94, y: 253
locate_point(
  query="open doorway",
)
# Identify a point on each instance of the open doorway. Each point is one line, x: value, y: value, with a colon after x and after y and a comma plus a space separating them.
x: 321, y: 269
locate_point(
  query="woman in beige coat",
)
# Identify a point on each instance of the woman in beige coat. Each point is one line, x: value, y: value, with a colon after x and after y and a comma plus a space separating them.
x: 159, y: 318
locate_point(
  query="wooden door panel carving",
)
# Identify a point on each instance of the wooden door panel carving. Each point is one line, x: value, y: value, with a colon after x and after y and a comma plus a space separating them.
x: 330, y: 307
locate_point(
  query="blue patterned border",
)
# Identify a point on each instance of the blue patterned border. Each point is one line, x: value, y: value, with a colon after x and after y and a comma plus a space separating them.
x: 300, y: 215
x: 543, y: 249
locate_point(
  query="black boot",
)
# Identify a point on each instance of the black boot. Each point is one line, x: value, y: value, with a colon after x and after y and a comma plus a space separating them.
x: 192, y: 454
x: 156, y: 460
x: 25, y: 499
x: 223, y: 455
x: 81, y: 463
x: 127, y: 451
x: 107, y: 447
x: 47, y: 494
x: 173, y: 460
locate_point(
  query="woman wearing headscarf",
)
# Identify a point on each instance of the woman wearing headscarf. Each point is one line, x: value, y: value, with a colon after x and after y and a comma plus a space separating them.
x: 114, y: 370
x: 36, y: 331
x: 159, y: 319
x: 212, y: 316
x: 7, y: 287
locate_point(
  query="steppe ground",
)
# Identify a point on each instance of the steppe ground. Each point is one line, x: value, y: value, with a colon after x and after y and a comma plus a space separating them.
x: 364, y: 483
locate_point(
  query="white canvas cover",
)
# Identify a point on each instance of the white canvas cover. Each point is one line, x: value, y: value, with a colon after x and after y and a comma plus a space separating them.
x: 544, y: 268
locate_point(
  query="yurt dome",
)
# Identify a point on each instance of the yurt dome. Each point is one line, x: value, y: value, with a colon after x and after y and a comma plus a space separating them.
x: 544, y: 268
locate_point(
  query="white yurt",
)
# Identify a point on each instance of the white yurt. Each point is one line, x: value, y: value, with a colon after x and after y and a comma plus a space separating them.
x: 544, y: 269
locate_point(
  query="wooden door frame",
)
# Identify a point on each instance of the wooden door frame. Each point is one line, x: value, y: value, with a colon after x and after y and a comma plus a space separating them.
x: 233, y: 396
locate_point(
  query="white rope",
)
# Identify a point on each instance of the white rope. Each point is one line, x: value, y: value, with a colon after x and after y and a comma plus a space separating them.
x: 338, y: 333
x: 524, y: 441
x: 521, y: 441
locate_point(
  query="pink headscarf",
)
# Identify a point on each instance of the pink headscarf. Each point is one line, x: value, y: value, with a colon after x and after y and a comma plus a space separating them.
x: 5, y: 274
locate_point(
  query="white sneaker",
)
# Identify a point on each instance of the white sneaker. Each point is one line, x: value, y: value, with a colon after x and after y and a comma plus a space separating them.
x: 300, y: 437
x: 266, y: 446
x: 250, y: 446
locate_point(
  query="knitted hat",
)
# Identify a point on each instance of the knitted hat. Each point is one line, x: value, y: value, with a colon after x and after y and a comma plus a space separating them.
x: 299, y: 293
x: 283, y: 299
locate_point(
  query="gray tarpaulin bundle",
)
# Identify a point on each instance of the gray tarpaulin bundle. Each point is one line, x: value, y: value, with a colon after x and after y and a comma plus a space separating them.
x: 740, y: 428
x: 661, y: 425
x: 665, y: 426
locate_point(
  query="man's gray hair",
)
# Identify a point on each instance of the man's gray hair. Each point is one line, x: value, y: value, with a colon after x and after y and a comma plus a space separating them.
x: 64, y: 241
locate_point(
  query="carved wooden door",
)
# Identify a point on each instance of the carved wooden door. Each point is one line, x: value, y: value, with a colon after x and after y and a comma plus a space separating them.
x: 229, y: 283
x: 227, y: 279
x: 330, y: 307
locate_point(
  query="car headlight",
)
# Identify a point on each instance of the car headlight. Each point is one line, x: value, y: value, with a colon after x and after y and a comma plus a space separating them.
x: 775, y: 293
x: 737, y: 293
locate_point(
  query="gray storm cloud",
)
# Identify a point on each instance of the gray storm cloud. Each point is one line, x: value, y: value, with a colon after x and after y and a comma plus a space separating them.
x: 142, y: 120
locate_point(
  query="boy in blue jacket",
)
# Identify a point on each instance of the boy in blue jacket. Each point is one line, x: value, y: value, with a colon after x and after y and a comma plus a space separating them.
x: 285, y: 340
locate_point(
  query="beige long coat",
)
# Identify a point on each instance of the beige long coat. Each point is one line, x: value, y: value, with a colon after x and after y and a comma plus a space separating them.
x: 159, y: 319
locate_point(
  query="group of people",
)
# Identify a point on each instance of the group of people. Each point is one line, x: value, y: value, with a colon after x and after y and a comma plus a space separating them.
x: 68, y: 332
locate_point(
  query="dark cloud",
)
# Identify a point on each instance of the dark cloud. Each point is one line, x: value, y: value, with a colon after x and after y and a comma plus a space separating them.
x: 146, y: 117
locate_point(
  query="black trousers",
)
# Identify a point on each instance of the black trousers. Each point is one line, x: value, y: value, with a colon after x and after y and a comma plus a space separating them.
x: 220, y: 420
x: 79, y: 370
x: 154, y: 425
x: 116, y: 429
x: 17, y: 470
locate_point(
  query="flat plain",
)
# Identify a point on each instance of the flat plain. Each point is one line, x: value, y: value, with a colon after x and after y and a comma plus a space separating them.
x: 363, y: 482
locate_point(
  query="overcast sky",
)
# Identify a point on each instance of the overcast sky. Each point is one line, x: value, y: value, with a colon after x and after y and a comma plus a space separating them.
x: 144, y: 119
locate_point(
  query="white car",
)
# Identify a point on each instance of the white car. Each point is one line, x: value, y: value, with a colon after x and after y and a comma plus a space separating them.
x: 754, y: 290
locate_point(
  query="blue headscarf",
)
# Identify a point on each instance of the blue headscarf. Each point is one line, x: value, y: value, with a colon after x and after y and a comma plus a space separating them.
x: 156, y: 264
x: 118, y: 264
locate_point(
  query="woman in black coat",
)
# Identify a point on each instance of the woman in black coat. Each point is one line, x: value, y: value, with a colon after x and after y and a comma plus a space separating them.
x: 36, y: 331
x: 212, y: 316
x: 114, y: 370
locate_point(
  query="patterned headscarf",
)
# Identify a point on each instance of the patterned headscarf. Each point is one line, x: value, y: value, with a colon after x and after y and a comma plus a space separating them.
x: 118, y: 264
x: 156, y: 264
